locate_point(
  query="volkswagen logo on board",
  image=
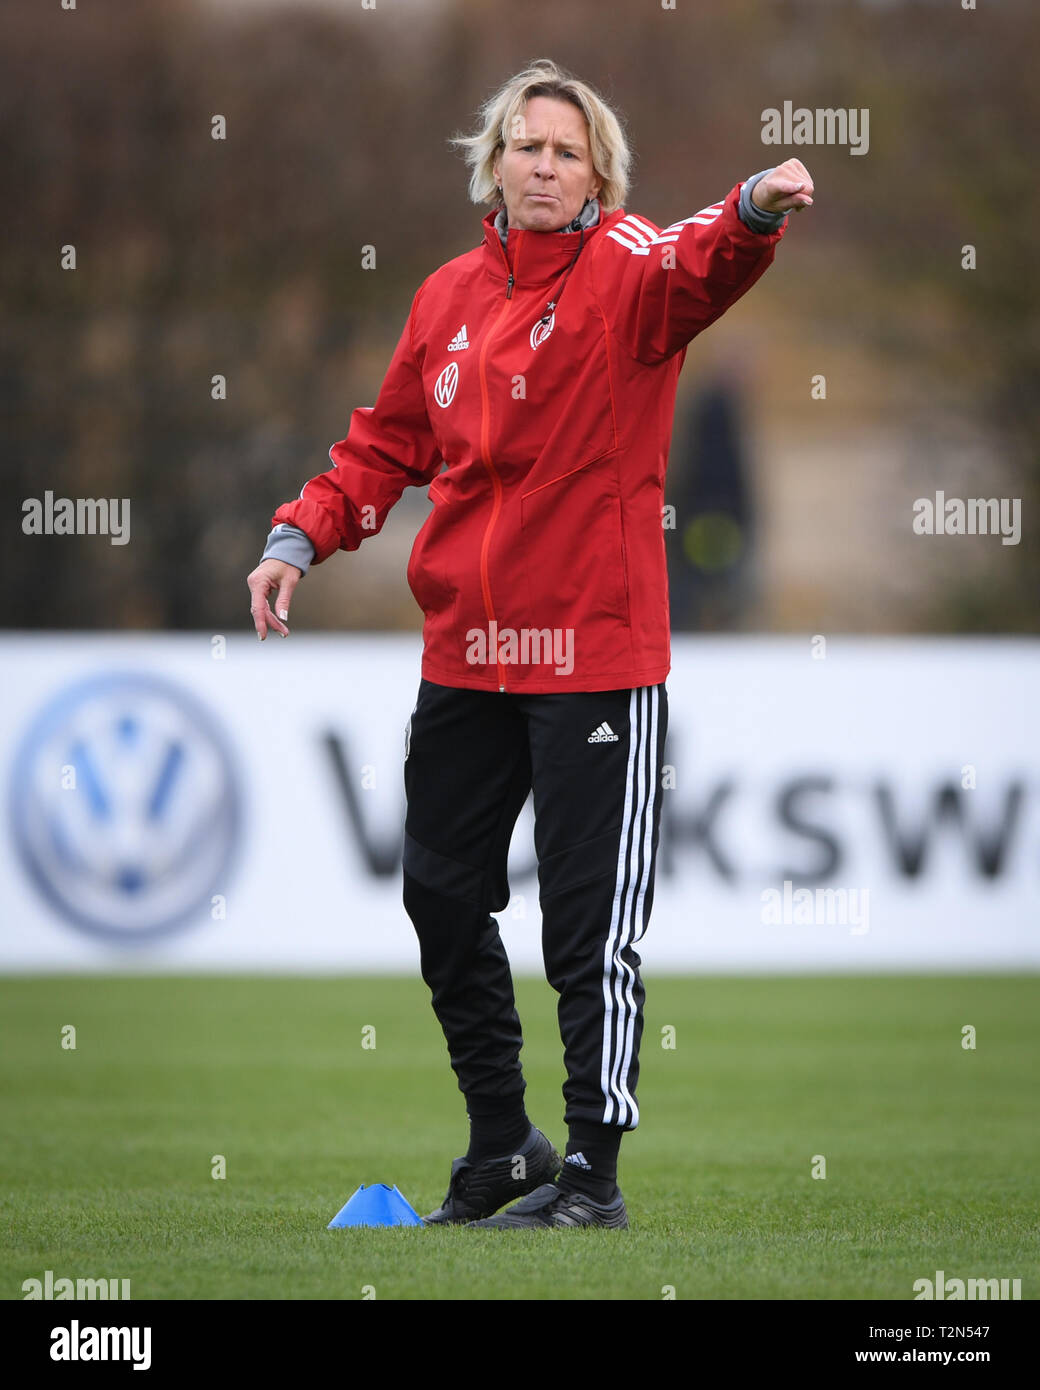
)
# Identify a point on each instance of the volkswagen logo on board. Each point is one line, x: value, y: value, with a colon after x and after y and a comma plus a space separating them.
x: 126, y: 806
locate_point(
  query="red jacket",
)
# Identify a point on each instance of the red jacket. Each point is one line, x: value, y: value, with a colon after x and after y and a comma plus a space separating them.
x: 542, y: 565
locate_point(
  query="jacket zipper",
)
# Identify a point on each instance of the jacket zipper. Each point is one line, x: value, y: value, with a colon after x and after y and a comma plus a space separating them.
x: 485, y: 449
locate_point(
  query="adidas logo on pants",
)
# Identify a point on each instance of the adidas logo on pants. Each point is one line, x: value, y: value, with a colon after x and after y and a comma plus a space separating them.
x: 604, y: 734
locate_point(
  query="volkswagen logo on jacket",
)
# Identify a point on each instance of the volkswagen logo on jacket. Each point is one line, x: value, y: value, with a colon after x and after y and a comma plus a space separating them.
x: 444, y: 390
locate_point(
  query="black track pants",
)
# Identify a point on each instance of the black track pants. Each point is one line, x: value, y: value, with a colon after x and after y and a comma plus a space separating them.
x: 594, y: 761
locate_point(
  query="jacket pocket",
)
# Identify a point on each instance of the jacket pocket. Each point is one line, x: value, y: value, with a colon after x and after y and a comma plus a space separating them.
x: 573, y: 541
x: 425, y: 574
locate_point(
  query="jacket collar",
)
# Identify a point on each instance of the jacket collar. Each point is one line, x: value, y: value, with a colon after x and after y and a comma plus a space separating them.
x: 588, y: 217
x: 537, y: 257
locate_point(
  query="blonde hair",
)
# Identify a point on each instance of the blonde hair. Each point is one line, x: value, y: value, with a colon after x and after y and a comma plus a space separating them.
x: 611, y: 156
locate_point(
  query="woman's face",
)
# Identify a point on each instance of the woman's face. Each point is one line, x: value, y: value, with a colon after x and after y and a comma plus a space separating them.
x: 545, y: 170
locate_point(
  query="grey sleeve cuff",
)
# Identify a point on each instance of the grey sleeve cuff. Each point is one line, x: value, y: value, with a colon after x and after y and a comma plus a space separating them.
x: 754, y: 217
x: 290, y: 544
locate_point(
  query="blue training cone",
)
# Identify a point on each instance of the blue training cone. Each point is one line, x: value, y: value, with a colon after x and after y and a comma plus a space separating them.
x: 378, y: 1205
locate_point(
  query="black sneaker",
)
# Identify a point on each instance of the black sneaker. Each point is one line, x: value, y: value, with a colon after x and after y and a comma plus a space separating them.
x: 478, y: 1189
x: 549, y: 1206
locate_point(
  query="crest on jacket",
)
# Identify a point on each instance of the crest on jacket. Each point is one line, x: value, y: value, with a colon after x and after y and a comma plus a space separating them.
x: 541, y: 330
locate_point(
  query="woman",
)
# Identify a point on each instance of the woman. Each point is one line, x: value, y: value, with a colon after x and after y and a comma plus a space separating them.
x: 533, y: 390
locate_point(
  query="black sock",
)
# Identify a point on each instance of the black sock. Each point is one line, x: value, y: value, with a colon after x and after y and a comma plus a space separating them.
x: 498, y: 1126
x: 590, y: 1164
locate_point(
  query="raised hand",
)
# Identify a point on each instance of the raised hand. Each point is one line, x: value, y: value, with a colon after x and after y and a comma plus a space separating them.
x: 788, y: 188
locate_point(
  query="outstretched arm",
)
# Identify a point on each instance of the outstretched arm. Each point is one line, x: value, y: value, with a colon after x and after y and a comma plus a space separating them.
x: 659, y: 289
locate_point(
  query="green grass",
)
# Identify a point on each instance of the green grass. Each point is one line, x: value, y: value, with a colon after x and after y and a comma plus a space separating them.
x: 931, y: 1150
